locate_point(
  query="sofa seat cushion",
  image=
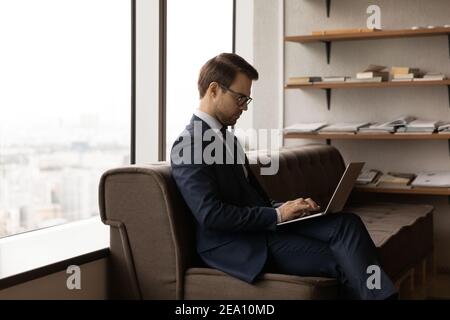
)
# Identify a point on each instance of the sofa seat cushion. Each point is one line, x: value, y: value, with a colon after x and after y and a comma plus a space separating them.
x: 403, y: 233
x: 207, y: 284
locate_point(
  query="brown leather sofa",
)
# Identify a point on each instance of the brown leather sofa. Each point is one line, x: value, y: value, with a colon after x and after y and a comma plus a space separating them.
x: 152, y: 232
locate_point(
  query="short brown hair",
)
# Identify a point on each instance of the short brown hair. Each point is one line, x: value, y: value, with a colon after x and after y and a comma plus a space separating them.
x: 223, y: 69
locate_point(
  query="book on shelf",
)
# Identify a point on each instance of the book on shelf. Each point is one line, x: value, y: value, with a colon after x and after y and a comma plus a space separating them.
x: 335, y: 78
x: 432, y: 179
x: 374, y: 71
x: 401, y: 80
x: 444, y: 127
x: 397, y: 180
x: 303, y: 80
x: 343, y: 127
x: 406, y: 76
x: 305, y: 127
x: 376, y: 128
x: 368, y: 176
x: 389, y: 127
x: 339, y: 31
x: 404, y: 70
x: 399, y: 122
x: 432, y: 76
x: 356, y: 80
x: 421, y: 126
x: 405, y: 73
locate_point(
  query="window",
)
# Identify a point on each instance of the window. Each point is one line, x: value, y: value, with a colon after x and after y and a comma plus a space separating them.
x: 65, y: 86
x: 196, y: 31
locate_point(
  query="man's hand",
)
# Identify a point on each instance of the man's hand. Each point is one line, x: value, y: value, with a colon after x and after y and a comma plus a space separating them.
x: 297, y: 208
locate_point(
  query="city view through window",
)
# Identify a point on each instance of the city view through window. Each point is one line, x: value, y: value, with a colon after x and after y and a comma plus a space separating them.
x: 64, y: 107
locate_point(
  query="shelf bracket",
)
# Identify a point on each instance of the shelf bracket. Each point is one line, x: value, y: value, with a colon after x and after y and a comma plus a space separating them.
x: 328, y: 93
x: 448, y: 89
x: 329, y: 142
x: 328, y: 50
x: 328, y: 4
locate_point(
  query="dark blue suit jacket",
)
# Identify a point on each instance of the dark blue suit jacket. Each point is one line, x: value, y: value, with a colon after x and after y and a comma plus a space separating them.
x: 232, y: 213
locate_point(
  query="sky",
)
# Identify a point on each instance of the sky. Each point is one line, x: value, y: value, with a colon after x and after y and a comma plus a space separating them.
x: 60, y: 59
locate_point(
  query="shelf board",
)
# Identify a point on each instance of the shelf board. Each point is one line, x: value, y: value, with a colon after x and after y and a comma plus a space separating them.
x: 383, y: 34
x: 354, y: 85
x: 385, y: 84
x: 424, y: 191
x: 368, y: 136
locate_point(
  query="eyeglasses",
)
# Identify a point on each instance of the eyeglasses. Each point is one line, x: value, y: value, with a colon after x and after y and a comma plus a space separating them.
x: 241, y: 99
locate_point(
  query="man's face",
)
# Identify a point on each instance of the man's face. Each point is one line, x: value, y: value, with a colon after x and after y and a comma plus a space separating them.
x: 227, y: 110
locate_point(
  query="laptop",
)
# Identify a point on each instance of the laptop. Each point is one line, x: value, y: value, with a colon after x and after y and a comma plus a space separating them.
x: 341, y: 193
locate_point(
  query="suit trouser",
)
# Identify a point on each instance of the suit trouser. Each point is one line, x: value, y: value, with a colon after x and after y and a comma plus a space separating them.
x: 335, y: 245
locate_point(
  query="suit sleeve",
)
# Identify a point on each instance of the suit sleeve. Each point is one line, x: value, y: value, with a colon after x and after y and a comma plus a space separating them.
x: 199, y: 189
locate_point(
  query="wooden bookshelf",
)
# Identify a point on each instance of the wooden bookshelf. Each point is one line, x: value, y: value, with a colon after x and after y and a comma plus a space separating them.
x: 374, y: 35
x: 328, y: 38
x: 355, y: 85
x: 417, y: 191
x: 368, y: 136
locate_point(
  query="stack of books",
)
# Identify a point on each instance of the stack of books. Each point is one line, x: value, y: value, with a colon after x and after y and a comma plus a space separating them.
x: 432, y: 76
x: 444, y: 128
x: 432, y: 179
x: 305, y: 127
x: 367, y: 177
x: 421, y: 126
x: 396, y: 180
x: 303, y: 80
x: 405, y: 73
x: 373, y: 73
x: 387, y: 127
x: 377, y: 128
x: 344, y: 127
x: 335, y: 79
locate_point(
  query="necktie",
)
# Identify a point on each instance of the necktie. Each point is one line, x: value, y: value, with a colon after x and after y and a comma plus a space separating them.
x: 236, y: 150
x: 223, y: 131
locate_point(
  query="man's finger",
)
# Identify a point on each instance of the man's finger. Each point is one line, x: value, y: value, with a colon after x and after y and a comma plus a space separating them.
x: 313, y: 205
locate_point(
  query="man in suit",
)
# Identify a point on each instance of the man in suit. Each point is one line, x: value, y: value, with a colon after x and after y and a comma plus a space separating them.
x: 236, y: 222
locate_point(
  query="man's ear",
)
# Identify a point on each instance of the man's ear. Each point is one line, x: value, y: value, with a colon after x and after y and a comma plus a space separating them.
x: 213, y: 89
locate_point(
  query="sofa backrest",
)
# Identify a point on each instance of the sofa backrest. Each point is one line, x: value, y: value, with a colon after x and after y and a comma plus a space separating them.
x: 153, y: 232
x: 307, y: 171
